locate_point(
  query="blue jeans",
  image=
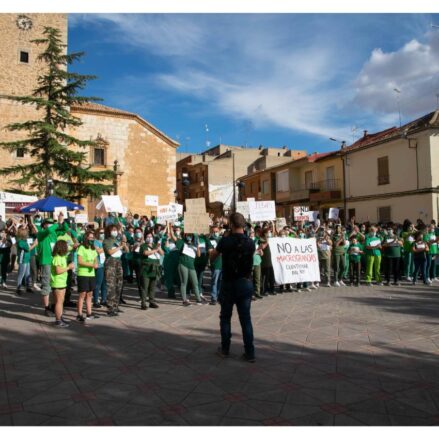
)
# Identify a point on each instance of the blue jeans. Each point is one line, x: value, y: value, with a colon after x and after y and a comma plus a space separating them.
x: 23, y: 273
x: 215, y: 284
x: 101, y: 286
x: 239, y: 293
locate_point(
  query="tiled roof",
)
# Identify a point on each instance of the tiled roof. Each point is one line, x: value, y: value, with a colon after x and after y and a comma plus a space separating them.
x: 91, y: 107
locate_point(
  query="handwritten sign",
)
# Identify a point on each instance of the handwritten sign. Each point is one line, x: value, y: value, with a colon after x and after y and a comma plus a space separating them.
x: 58, y: 210
x: 167, y: 212
x: 280, y: 223
x: 196, y: 223
x: 111, y: 203
x: 242, y: 208
x: 333, y: 213
x: 196, y: 205
x: 151, y: 200
x: 81, y: 218
x: 262, y: 210
x: 294, y: 260
x: 301, y: 213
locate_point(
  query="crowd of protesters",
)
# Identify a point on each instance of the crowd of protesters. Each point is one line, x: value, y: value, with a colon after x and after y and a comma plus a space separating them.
x: 55, y: 256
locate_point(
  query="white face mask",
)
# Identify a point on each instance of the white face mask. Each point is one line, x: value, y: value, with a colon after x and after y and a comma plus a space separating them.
x: 114, y: 234
x: 149, y: 240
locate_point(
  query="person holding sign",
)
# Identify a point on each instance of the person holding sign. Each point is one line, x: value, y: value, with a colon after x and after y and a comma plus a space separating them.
x: 189, y: 250
x: 372, y: 245
x: 237, y: 287
x: 136, y: 258
x: 392, y: 247
x: 431, y: 239
x: 216, y: 265
x: 114, y: 247
x: 24, y: 249
x: 324, y: 246
x: 355, y: 251
x: 420, y: 250
x: 100, y: 292
x: 150, y: 257
x: 408, y: 230
x: 339, y: 256
x: 87, y: 264
x: 170, y: 260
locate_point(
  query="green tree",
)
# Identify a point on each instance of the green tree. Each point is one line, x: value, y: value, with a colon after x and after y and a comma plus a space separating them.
x: 56, y: 155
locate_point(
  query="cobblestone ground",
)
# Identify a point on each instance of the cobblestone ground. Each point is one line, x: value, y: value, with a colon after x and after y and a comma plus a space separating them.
x: 336, y: 356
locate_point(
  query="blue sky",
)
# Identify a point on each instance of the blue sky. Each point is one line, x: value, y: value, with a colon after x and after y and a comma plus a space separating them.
x: 270, y: 79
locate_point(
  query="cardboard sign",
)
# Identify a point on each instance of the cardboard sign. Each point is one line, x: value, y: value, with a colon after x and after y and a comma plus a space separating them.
x: 81, y: 218
x: 196, y: 223
x: 242, y: 208
x: 280, y: 223
x: 196, y: 205
x: 301, y: 213
x: 333, y: 213
x: 58, y: 210
x: 151, y: 200
x: 111, y: 203
x: 167, y: 212
x: 262, y: 210
x: 178, y: 207
x: 294, y: 260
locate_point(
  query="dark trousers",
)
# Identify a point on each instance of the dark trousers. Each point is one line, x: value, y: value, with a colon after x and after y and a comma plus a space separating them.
x: 267, y: 280
x: 137, y: 268
x: 239, y: 293
x: 5, y: 258
x: 355, y: 271
x: 420, y: 267
x: 392, y: 266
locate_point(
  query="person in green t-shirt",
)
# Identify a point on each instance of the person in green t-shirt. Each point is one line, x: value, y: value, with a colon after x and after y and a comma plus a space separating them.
x: 372, y: 245
x: 392, y: 247
x: 339, y: 243
x: 216, y: 265
x: 420, y: 250
x: 58, y: 280
x: 24, y: 250
x: 407, y: 235
x: 257, y: 260
x: 431, y: 239
x: 87, y: 263
x: 170, y: 260
x: 355, y: 251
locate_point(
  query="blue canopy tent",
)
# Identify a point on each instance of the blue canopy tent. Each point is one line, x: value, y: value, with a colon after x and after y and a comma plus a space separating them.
x: 48, y: 205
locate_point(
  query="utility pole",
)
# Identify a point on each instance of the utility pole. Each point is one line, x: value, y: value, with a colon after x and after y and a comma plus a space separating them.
x: 234, y: 183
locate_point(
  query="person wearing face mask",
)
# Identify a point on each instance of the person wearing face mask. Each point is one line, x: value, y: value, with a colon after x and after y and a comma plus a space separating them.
x: 372, y: 247
x: 188, y: 250
x: 257, y: 260
x: 267, y: 273
x: 408, y: 231
x: 5, y: 252
x: 216, y: 265
x: 136, y: 259
x: 430, y: 238
x: 127, y: 258
x: 324, y: 246
x: 339, y: 251
x: 24, y: 249
x: 150, y: 251
x: 87, y: 264
x: 201, y: 261
x: 171, y: 258
x: 114, y: 249
x: 420, y: 250
x: 100, y: 292
x: 392, y: 256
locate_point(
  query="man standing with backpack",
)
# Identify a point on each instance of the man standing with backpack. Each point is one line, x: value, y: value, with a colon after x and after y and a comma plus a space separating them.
x: 237, y: 252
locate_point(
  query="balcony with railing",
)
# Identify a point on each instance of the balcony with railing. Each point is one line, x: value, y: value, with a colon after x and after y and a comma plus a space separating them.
x: 303, y: 192
x: 327, y: 190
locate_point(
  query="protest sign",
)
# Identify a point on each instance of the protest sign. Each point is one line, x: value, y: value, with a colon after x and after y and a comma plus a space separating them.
x: 301, y: 213
x: 262, y: 210
x: 242, y: 208
x: 151, y: 200
x: 178, y: 208
x: 81, y: 218
x: 196, y: 222
x: 312, y: 215
x: 2, y: 210
x: 111, y: 203
x: 167, y: 212
x: 294, y: 260
x: 196, y: 205
x: 58, y: 210
x: 333, y: 213
x: 280, y: 223
x: 251, y: 199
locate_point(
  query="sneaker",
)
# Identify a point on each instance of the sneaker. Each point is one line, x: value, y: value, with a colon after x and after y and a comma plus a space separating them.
x: 61, y: 324
x: 18, y: 292
x: 342, y: 283
x: 336, y: 284
x: 248, y: 358
x: 112, y: 313
x: 36, y: 287
x: 199, y: 302
x: 153, y: 305
x: 29, y: 290
x: 65, y: 320
x: 379, y: 284
x: 91, y: 317
x: 122, y: 301
x: 368, y: 284
x: 429, y: 282
x: 80, y: 318
x: 317, y: 285
x: 4, y: 285
x: 409, y: 279
x: 328, y: 285
x: 97, y: 305
x: 222, y: 353
x: 104, y: 304
x: 396, y: 284
x: 186, y: 303
x: 312, y: 287
x: 307, y: 289
x: 213, y: 302
x: 48, y: 312
x: 143, y: 306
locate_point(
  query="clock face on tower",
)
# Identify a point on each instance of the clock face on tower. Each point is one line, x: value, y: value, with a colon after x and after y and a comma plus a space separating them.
x: 24, y: 22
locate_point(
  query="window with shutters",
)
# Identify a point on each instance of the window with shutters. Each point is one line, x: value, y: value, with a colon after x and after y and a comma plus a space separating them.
x: 282, y: 181
x: 266, y: 186
x: 384, y: 214
x: 308, y: 180
x: 99, y: 156
x: 383, y: 170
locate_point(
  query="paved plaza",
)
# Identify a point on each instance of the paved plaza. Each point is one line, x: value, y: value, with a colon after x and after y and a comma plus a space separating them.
x: 337, y: 356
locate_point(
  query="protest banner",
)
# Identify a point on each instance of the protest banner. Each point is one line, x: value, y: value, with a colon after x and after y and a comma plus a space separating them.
x: 196, y: 205
x: 251, y: 199
x: 262, y: 210
x: 58, y: 210
x: 333, y: 213
x: 166, y: 213
x: 81, y: 218
x: 242, y: 208
x: 301, y: 213
x: 196, y: 223
x: 294, y: 260
x: 151, y: 200
x: 111, y: 203
x: 280, y: 223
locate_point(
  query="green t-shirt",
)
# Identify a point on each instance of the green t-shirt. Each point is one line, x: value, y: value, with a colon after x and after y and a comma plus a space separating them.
x: 108, y: 244
x: 66, y: 237
x: 433, y: 245
x: 58, y: 281
x: 408, y: 241
x: 23, y: 252
x: 151, y: 263
x: 46, y: 242
x: 88, y: 255
x: 393, y: 250
x: 371, y: 240
x: 354, y: 254
x: 186, y: 260
x: 339, y: 249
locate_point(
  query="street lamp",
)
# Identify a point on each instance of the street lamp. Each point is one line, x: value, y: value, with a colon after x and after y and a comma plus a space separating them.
x: 345, y: 204
x: 50, y: 186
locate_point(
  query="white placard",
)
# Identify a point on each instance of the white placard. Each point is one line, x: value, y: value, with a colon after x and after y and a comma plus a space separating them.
x: 151, y: 200
x: 189, y: 251
x: 262, y: 210
x: 58, y: 210
x: 154, y: 256
x: 294, y: 260
x: 374, y: 243
x: 81, y: 218
x: 312, y: 216
x: 213, y: 243
x: 13, y: 240
x: 30, y: 241
x: 411, y: 239
x: 333, y: 213
x: 167, y: 212
x: 301, y: 213
x: 280, y: 223
x: 111, y: 203
x: 242, y: 208
x: 178, y: 207
x: 251, y: 199
x: 3, y: 210
x: 117, y: 254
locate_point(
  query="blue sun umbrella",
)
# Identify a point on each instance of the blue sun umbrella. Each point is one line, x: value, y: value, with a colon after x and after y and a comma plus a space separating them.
x: 48, y: 205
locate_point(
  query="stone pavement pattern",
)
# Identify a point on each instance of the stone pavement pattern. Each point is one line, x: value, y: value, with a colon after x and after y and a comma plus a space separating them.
x: 337, y: 356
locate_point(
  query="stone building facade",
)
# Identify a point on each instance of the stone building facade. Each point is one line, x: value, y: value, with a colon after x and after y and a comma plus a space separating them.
x: 145, y: 155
